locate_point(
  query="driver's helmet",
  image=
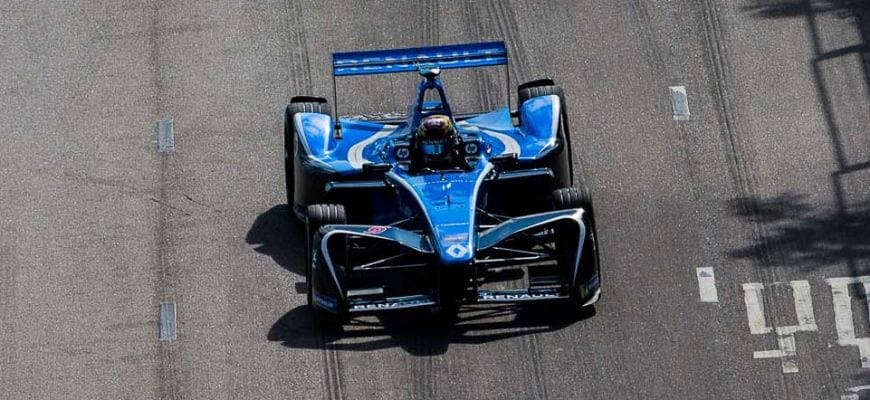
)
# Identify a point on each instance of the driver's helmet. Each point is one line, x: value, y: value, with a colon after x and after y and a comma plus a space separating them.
x: 436, y: 133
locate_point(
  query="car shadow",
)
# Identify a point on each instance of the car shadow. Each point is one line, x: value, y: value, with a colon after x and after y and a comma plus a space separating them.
x: 421, y: 333
x: 278, y: 235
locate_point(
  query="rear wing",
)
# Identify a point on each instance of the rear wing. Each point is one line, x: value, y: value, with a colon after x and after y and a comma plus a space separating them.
x: 371, y: 62
x: 468, y: 55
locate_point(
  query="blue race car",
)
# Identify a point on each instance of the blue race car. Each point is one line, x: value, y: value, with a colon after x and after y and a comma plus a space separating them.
x: 435, y: 209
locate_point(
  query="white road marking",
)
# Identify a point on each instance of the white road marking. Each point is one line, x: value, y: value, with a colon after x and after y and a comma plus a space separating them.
x: 167, y: 321
x: 679, y: 103
x: 165, y: 135
x: 755, y: 309
x: 855, y: 392
x: 803, y: 305
x: 843, y: 315
x: 707, y: 285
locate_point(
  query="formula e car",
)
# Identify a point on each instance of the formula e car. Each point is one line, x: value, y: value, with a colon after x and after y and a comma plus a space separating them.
x: 435, y: 209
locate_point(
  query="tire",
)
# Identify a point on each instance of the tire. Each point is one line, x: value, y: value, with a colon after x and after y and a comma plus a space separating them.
x: 318, y: 216
x: 570, y: 198
x: 543, y: 87
x: 297, y: 104
x: 573, y: 197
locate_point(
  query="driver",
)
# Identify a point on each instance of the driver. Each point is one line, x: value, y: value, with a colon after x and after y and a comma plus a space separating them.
x: 437, y: 144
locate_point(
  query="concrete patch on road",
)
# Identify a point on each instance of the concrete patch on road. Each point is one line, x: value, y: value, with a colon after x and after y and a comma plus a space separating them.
x: 707, y: 285
x: 803, y: 305
x: 167, y: 321
x: 679, y: 103
x: 843, y: 315
x: 165, y: 135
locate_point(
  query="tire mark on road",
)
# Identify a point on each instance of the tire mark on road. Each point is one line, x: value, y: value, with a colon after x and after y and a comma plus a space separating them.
x: 507, y: 27
x: 641, y: 18
x: 533, y: 348
x: 428, y: 23
x: 740, y: 155
x: 300, y: 80
x: 503, y: 26
x: 424, y: 369
x: 298, y: 62
x: 169, y: 386
x: 333, y: 371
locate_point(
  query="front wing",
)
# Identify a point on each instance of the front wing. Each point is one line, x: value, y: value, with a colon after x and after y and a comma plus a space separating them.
x: 364, y: 269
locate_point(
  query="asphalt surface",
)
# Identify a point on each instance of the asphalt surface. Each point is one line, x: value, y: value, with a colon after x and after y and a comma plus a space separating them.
x: 767, y: 183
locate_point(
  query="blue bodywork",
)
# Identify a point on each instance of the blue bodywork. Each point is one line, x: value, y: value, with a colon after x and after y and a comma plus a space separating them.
x: 448, y: 198
x: 432, y: 213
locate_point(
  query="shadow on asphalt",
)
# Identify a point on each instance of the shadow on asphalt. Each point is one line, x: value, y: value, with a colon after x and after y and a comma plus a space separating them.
x: 796, y: 234
x: 277, y: 235
x: 793, y: 233
x: 419, y: 333
x: 281, y: 237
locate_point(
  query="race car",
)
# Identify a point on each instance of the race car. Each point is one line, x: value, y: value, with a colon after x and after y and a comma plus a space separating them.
x: 435, y: 208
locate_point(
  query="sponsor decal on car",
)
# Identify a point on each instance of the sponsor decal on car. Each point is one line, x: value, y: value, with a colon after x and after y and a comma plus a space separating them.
x: 376, y: 229
x: 389, y: 304
x: 517, y: 296
x: 458, y: 237
x: 457, y: 250
x: 325, y: 301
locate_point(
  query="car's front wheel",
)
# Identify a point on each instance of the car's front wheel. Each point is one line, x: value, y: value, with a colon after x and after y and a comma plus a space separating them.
x: 319, y: 215
x: 585, y: 288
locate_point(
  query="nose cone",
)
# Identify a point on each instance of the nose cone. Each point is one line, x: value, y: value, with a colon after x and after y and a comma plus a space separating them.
x: 449, y: 205
x: 455, y: 243
x: 448, y: 200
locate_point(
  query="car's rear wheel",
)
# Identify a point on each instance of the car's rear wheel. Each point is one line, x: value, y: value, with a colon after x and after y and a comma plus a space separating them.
x: 540, y: 87
x: 564, y: 167
x: 297, y: 105
x: 571, y: 198
x: 319, y: 215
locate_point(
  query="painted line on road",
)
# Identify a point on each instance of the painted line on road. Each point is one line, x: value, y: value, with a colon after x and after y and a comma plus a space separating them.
x: 707, y: 285
x: 167, y: 321
x: 165, y: 135
x: 679, y: 103
x: 843, y: 315
x: 755, y: 309
x: 803, y: 306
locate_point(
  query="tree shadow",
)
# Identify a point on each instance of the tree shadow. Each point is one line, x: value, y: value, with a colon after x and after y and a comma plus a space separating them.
x: 799, y: 8
x: 281, y: 236
x: 802, y: 236
x: 420, y: 333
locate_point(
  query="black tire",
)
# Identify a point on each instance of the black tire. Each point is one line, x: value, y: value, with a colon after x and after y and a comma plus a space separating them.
x: 579, y: 197
x: 297, y: 104
x: 573, y: 197
x: 319, y: 215
x: 543, y: 87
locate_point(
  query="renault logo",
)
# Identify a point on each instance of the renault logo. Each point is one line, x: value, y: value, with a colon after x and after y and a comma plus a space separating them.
x: 457, y: 250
